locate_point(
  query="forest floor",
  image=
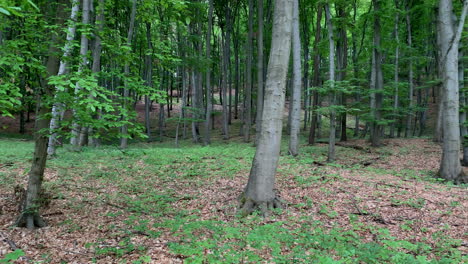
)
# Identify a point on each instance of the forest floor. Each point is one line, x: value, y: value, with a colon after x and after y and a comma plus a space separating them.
x: 154, y: 203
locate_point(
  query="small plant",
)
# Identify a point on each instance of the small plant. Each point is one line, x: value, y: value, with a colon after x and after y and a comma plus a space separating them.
x: 12, y: 256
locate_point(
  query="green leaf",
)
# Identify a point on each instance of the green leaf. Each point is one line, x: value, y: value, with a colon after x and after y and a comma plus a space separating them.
x: 33, y: 5
x: 12, y: 256
x: 4, y: 11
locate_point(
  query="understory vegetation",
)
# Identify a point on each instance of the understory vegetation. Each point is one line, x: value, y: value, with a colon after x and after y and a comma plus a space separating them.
x: 153, y: 203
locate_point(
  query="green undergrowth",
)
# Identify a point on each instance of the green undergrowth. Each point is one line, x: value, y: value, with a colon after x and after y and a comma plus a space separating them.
x: 147, y: 180
x: 252, y: 240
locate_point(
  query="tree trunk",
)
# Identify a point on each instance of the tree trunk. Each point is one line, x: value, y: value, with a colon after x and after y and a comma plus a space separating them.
x: 124, y: 128
x: 259, y: 192
x: 397, y: 54
x: 378, y: 78
x: 209, y: 98
x: 342, y: 64
x: 76, y: 128
x: 450, y: 167
x: 297, y: 83
x: 259, y: 70
x: 30, y: 216
x: 410, y: 77
x: 58, y: 108
x: 248, y: 88
x: 148, y: 79
x: 463, y: 105
x: 331, y: 69
x: 315, y: 81
x: 225, y: 44
x: 96, y: 67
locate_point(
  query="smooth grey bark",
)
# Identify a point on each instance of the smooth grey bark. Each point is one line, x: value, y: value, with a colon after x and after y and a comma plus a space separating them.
x: 88, y: 133
x: 58, y: 108
x: 305, y: 79
x: 463, y: 104
x: 209, y: 105
x: 259, y: 192
x: 296, y: 85
x: 195, y: 114
x: 259, y: 69
x: 397, y: 55
x: 331, y: 70
x: 355, y: 66
x: 148, y: 79
x: 124, y: 128
x: 236, y: 72
x: 438, y: 133
x: 315, y: 80
x: 183, y: 104
x: 226, y: 60
x: 410, y: 76
x: 76, y: 128
x: 248, y: 85
x: 450, y: 166
x: 377, y: 74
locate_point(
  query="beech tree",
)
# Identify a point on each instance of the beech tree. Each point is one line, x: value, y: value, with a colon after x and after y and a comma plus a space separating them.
x: 30, y: 216
x: 259, y: 193
x: 450, y: 34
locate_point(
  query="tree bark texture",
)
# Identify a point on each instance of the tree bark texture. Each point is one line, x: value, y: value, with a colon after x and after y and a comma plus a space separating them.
x: 259, y: 192
x: 297, y: 83
x: 209, y: 98
x: 331, y: 70
x: 450, y: 166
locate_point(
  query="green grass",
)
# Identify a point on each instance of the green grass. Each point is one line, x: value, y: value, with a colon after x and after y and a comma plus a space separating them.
x: 145, y: 175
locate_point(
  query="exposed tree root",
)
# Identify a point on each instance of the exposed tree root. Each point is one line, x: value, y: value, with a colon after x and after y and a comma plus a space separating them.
x: 248, y: 206
x: 30, y: 220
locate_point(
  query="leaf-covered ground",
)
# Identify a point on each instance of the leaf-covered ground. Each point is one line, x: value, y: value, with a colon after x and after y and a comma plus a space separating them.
x: 154, y: 203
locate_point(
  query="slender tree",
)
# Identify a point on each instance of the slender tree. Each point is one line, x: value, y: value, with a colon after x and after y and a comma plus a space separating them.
x: 410, y: 74
x: 76, y: 128
x: 377, y: 75
x: 297, y: 83
x: 260, y: 85
x: 331, y: 70
x: 315, y: 79
x: 58, y: 108
x: 396, y: 73
x: 126, y: 94
x: 208, y: 76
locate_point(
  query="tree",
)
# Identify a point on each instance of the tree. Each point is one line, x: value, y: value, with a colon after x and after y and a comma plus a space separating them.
x: 30, y: 217
x: 316, y: 78
x: 259, y: 192
x: 410, y: 75
x: 377, y: 79
x: 450, y: 167
x: 297, y: 83
x: 260, y: 85
x: 76, y: 128
x: 331, y: 43
x: 124, y: 139
x: 57, y: 108
x: 208, y: 76
x: 248, y: 84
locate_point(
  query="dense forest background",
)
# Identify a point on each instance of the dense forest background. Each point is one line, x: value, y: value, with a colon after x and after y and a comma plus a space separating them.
x: 152, y: 113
